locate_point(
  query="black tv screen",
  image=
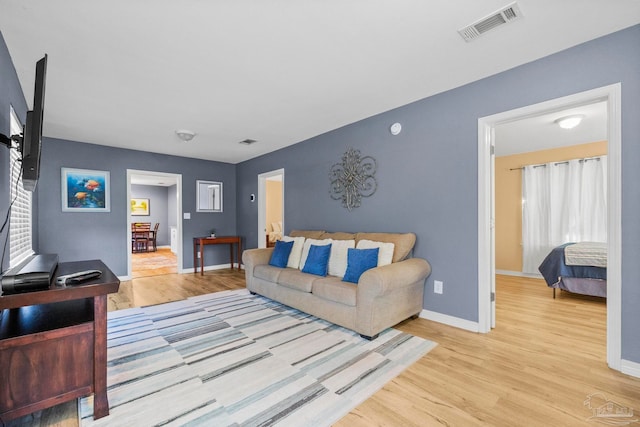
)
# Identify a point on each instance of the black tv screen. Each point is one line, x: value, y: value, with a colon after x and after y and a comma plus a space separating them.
x: 32, y: 135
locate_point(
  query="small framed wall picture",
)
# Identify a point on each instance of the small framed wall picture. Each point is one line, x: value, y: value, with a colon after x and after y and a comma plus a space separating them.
x: 140, y: 207
x: 85, y: 190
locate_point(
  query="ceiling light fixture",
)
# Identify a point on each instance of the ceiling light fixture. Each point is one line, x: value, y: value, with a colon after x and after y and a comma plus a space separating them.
x: 569, y: 122
x: 248, y: 141
x: 185, y: 135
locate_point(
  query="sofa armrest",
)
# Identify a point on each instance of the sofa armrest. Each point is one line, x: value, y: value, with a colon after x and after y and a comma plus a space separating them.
x: 253, y: 257
x: 383, y: 280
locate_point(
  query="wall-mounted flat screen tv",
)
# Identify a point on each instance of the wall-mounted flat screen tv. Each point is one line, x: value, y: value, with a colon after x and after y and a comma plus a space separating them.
x: 32, y: 134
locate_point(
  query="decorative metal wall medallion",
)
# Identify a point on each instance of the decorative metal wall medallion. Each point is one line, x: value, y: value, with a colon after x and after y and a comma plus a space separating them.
x: 353, y: 179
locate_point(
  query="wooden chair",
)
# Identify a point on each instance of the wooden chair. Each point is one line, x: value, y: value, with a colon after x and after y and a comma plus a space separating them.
x: 140, y: 232
x: 153, y: 236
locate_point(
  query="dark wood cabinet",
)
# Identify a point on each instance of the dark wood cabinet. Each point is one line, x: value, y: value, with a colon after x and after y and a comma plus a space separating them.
x: 53, y: 345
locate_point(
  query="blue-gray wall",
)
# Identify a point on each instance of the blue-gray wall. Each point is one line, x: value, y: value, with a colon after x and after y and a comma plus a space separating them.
x: 88, y: 235
x: 158, y: 211
x: 427, y: 175
x: 10, y: 94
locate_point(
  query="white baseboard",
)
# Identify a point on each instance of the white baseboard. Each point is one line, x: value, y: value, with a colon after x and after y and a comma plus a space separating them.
x: 457, y: 322
x: 208, y: 268
x: 519, y: 274
x: 630, y: 368
x: 190, y: 270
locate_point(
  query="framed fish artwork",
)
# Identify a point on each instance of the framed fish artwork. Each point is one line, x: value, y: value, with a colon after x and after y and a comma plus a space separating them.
x: 85, y: 190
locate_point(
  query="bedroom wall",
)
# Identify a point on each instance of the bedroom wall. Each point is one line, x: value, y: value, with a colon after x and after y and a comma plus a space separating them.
x: 274, y: 203
x: 508, y: 193
x: 10, y: 95
x: 428, y: 177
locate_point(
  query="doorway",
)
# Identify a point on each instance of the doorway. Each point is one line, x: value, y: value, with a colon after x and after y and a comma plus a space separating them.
x: 270, y: 206
x: 486, y: 198
x: 161, y: 195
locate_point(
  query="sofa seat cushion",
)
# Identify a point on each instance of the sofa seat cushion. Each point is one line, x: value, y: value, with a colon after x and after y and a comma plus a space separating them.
x: 267, y: 272
x: 296, y: 279
x: 334, y: 289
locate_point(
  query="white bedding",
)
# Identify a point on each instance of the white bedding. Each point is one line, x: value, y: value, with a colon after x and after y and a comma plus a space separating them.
x: 586, y: 253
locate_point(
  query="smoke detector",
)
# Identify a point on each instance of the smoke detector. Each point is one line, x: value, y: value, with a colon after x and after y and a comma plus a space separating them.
x: 500, y: 17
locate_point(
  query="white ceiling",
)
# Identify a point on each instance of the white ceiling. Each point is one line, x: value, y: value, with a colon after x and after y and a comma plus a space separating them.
x: 129, y: 73
x: 541, y: 132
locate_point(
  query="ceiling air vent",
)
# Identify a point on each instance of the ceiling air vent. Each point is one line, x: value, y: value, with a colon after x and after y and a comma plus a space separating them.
x: 505, y: 15
x: 248, y: 141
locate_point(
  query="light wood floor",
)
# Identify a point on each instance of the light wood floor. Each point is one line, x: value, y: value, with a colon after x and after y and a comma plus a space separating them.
x: 156, y: 263
x: 536, y: 368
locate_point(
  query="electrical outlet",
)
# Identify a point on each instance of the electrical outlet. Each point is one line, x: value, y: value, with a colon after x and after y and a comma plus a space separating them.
x: 198, y: 253
x: 437, y: 286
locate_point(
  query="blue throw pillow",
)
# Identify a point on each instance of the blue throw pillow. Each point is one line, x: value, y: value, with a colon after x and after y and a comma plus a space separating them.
x: 280, y: 255
x: 318, y: 260
x: 359, y: 261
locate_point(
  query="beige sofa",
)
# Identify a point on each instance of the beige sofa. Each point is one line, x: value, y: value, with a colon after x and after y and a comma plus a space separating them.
x: 383, y: 296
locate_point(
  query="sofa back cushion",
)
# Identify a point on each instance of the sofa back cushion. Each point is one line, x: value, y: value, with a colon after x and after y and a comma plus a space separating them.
x: 338, y: 259
x: 385, y: 250
x: 359, y: 261
x: 403, y: 242
x: 307, y: 234
x: 339, y: 236
x: 280, y: 254
x: 317, y: 261
x: 296, y: 251
x: 307, y: 246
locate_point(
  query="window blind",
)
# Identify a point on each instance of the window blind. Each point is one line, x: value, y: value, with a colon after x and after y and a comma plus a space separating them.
x: 20, y: 240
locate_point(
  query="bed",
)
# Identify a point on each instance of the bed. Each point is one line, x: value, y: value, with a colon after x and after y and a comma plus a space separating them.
x: 275, y: 234
x: 580, y: 268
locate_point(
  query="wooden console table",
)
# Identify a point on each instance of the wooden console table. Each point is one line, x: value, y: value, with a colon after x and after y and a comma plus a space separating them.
x: 222, y: 240
x: 53, y: 344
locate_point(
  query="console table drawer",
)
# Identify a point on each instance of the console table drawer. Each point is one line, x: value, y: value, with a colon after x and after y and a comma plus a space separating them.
x: 48, y: 367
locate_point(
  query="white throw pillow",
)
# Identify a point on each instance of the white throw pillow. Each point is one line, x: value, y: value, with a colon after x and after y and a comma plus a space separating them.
x: 307, y: 245
x: 296, y: 250
x: 385, y: 253
x: 338, y: 257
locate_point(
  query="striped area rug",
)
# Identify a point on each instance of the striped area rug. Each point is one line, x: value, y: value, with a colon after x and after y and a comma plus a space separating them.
x: 236, y: 359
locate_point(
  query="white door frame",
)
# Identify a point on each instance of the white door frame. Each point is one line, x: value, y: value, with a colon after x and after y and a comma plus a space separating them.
x: 178, y: 179
x: 486, y: 256
x: 262, y: 205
